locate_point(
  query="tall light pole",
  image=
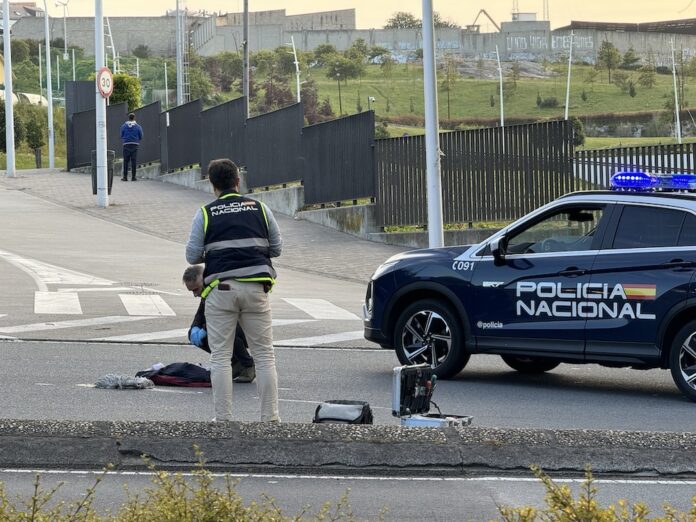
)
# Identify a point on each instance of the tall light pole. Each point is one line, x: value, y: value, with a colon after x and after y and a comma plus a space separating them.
x: 340, y: 101
x: 9, y: 109
x: 297, y: 68
x: 64, y: 3
x: 676, y: 95
x: 179, y: 59
x: 500, y: 80
x: 432, y: 128
x: 570, y: 65
x: 245, y: 59
x: 100, y: 101
x: 49, y: 92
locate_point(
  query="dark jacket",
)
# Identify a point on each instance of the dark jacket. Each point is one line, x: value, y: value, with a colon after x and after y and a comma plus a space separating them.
x: 131, y: 133
x: 240, y: 343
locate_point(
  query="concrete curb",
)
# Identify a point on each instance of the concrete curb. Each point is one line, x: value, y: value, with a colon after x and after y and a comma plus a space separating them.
x: 325, y: 448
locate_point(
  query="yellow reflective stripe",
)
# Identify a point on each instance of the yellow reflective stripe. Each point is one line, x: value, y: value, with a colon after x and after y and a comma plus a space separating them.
x: 263, y: 209
x: 209, y: 288
x: 205, y: 219
x: 256, y: 280
x: 230, y: 195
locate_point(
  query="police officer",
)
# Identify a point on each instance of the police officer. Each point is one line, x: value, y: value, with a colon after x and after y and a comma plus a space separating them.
x: 236, y: 237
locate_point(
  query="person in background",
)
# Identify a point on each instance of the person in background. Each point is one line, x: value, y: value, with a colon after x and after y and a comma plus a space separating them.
x: 242, y: 363
x: 131, y: 135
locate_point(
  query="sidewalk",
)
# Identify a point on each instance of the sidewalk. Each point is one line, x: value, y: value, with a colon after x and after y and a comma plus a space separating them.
x: 166, y: 211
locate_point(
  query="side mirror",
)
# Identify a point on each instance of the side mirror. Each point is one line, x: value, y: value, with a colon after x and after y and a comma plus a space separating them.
x: 498, y: 250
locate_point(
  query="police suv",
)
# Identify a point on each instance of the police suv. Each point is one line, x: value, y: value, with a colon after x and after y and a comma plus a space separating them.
x: 606, y: 277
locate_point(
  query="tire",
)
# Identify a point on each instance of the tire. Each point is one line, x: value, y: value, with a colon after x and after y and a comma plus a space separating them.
x: 529, y: 365
x: 682, y: 360
x: 428, y: 331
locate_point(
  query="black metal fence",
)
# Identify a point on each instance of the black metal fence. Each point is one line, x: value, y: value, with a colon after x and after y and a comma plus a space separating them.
x: 338, y: 159
x: 149, y: 119
x: 274, y: 147
x: 79, y: 97
x: 495, y: 174
x: 84, y: 133
x: 223, y: 133
x: 594, y: 168
x: 180, y: 131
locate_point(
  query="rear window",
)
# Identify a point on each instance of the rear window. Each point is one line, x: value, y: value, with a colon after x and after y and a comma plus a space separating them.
x: 648, y: 227
x: 687, y: 237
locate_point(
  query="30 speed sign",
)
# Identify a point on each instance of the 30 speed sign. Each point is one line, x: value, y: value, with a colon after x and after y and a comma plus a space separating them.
x: 105, y: 82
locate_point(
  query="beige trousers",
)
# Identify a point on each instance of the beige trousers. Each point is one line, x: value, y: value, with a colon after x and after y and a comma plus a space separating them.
x: 249, y: 305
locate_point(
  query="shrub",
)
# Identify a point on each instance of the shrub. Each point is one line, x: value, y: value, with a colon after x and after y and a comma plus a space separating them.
x: 561, y: 506
x: 549, y: 103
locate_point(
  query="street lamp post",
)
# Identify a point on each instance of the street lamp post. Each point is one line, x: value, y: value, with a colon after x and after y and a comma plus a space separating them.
x: 370, y: 101
x: 64, y: 3
x: 297, y: 68
x: 340, y: 101
x: 49, y: 92
x: 9, y: 109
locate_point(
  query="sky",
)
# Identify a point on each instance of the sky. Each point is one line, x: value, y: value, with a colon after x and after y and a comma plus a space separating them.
x: 374, y: 13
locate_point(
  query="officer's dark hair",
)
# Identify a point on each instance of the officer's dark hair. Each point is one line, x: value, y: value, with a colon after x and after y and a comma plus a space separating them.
x: 131, y: 116
x: 223, y: 174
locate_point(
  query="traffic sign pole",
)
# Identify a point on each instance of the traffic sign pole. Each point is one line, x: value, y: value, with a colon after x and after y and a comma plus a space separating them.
x: 102, y: 181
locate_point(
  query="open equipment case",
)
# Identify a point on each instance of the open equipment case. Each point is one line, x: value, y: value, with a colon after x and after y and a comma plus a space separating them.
x: 412, y: 391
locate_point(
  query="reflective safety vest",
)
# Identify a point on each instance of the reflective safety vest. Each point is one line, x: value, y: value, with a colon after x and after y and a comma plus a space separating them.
x: 236, y: 241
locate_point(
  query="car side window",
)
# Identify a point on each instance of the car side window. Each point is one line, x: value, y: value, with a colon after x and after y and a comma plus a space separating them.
x: 687, y: 236
x: 648, y: 227
x: 568, y: 229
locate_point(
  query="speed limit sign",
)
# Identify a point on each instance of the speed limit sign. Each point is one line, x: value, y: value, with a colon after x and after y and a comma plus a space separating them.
x: 105, y: 82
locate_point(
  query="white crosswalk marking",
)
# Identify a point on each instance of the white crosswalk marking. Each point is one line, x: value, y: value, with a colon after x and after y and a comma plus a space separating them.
x: 321, y: 309
x: 149, y: 336
x: 182, y: 332
x: 76, y: 323
x: 46, y: 274
x: 145, y: 305
x: 321, y: 339
x: 57, y: 303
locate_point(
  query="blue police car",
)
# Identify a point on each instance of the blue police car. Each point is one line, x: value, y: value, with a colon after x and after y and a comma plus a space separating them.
x: 606, y: 277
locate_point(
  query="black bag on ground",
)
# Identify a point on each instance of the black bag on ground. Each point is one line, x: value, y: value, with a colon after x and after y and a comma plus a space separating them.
x: 343, y: 412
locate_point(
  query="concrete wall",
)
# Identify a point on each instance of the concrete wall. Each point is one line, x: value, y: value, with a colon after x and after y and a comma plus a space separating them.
x: 157, y: 32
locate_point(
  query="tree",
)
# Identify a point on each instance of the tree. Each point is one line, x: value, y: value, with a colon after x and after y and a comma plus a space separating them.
x: 441, y: 23
x: 647, y: 78
x: 402, y: 20
x: 608, y: 57
x: 578, y: 131
x: 631, y: 60
x: 451, y: 76
x: 263, y: 61
x: 200, y: 84
x: 377, y: 51
x: 126, y: 89
x: 343, y: 68
x: 358, y: 51
x: 20, y: 51
x: 142, y: 51
x: 325, y: 109
x: 322, y: 52
x: 18, y: 129
x: 277, y: 94
x: 35, y: 139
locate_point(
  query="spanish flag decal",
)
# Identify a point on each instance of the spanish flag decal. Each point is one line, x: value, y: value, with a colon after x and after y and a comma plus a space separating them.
x: 636, y: 291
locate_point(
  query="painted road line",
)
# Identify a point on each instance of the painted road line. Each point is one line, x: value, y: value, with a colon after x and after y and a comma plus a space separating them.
x: 57, y: 303
x: 145, y: 305
x: 181, y: 332
x: 321, y: 309
x: 46, y: 274
x: 321, y: 339
x: 77, y: 323
x: 103, y: 289
x: 146, y: 336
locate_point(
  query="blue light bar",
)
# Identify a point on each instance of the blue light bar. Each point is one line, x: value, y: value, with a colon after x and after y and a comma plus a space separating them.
x: 638, y: 181
x: 633, y: 180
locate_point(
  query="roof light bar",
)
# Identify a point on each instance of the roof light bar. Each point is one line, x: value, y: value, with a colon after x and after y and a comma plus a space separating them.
x: 638, y: 181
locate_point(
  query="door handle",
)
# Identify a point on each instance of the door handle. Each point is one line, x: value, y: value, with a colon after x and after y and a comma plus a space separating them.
x: 677, y: 263
x: 572, y: 271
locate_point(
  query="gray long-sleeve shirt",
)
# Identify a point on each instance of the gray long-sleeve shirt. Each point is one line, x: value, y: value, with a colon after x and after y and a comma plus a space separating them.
x: 195, y: 247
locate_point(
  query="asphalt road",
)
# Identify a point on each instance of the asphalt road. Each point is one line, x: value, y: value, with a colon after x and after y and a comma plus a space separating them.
x: 398, y: 498
x: 54, y: 380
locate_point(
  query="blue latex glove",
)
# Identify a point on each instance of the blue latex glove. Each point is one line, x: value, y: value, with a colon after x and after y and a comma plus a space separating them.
x: 197, y: 335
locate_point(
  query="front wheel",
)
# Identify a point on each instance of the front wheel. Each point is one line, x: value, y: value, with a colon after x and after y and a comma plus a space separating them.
x: 428, y: 331
x: 682, y: 360
x: 529, y: 364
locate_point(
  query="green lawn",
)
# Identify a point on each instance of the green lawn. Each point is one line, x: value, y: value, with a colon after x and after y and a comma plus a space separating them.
x: 470, y: 98
x: 25, y: 160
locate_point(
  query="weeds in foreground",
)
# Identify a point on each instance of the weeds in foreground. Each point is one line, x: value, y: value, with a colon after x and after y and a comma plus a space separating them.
x: 561, y: 506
